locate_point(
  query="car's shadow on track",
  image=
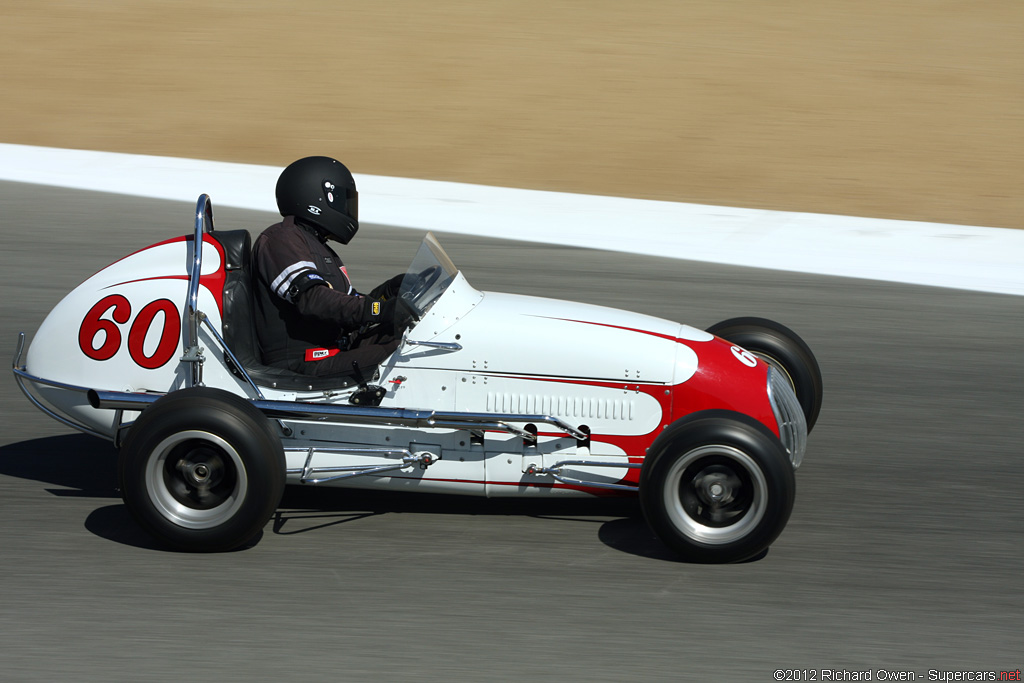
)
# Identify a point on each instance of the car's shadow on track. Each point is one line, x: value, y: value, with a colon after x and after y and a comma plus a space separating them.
x: 78, y: 466
x: 622, y: 526
x: 82, y: 466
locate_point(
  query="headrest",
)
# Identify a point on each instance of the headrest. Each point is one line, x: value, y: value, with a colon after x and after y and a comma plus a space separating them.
x: 236, y: 244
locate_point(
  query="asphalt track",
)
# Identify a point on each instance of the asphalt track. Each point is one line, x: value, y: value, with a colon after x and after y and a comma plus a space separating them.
x: 903, y: 553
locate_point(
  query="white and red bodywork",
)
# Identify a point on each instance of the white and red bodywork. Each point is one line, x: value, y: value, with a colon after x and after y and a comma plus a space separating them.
x: 622, y: 375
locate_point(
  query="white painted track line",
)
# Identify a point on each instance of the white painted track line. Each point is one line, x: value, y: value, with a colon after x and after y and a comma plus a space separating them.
x: 963, y: 257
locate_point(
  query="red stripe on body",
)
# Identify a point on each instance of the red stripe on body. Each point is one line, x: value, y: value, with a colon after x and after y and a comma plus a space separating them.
x: 214, y: 282
x: 708, y: 389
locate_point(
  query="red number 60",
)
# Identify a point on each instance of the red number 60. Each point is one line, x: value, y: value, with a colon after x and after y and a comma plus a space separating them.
x: 121, y: 313
x: 93, y: 323
x: 169, y: 337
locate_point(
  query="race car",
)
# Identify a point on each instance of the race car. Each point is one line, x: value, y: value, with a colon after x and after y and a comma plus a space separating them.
x: 488, y: 394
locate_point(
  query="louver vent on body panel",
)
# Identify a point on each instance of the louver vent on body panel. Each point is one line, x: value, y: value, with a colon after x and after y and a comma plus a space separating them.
x: 561, y: 406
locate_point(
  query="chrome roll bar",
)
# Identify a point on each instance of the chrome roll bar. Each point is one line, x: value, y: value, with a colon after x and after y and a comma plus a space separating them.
x: 193, y: 352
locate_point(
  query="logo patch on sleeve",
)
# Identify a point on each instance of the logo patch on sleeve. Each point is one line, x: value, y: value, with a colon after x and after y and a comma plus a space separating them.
x: 375, y: 308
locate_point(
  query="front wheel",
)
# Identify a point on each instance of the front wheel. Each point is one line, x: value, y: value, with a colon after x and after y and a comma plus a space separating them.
x: 202, y: 470
x: 784, y: 350
x: 717, y: 487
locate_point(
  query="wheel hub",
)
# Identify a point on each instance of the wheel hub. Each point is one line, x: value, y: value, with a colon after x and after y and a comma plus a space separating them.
x: 200, y: 472
x: 715, y: 494
x: 201, y: 469
x: 716, y: 486
x: 196, y: 479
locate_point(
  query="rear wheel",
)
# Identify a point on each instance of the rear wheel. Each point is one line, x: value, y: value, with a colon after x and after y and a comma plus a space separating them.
x: 202, y: 470
x: 717, y: 487
x: 782, y: 349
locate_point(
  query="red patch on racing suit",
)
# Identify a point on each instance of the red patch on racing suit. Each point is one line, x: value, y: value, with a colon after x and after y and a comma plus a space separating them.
x: 320, y: 354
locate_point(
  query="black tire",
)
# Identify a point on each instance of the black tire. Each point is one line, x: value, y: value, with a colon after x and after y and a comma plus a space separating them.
x: 784, y: 350
x: 202, y: 470
x: 717, y: 486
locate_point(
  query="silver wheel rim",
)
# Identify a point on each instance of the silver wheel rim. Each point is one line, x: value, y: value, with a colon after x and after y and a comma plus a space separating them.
x: 196, y: 479
x: 715, y: 494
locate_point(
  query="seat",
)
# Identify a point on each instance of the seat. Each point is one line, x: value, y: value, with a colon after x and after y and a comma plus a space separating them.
x: 239, y: 328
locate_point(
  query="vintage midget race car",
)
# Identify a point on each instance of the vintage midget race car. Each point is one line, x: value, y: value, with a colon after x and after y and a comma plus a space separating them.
x: 488, y: 394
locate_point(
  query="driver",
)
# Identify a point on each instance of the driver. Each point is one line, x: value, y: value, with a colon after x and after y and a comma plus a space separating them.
x: 309, y: 318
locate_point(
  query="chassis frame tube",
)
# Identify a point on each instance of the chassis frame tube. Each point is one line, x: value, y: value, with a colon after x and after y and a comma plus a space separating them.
x: 326, y: 412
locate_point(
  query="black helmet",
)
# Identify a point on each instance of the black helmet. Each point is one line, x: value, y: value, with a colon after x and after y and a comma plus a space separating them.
x: 320, y: 191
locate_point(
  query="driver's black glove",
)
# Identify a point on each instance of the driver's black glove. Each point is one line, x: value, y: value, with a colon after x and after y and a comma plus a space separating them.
x: 393, y: 311
x: 405, y: 315
x: 376, y: 311
x: 388, y: 290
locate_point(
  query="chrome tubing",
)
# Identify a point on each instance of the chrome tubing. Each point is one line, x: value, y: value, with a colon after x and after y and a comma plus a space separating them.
x: 410, y: 418
x: 234, y: 360
x: 484, y: 426
x: 193, y: 354
x: 21, y: 376
x: 594, y: 484
x: 555, y: 471
x: 447, y: 346
x: 501, y: 418
x: 424, y: 459
x: 326, y: 412
x: 349, y: 472
x: 119, y: 400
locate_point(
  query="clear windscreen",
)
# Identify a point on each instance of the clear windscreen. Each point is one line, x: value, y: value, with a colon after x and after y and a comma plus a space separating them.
x: 428, y: 276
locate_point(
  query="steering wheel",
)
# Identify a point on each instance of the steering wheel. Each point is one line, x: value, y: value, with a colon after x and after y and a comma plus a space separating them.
x: 420, y: 284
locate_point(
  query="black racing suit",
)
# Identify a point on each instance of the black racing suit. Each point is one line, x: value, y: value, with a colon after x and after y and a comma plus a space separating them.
x: 308, y: 316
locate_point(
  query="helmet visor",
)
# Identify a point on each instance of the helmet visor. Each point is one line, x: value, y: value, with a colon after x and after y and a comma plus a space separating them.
x: 343, y: 199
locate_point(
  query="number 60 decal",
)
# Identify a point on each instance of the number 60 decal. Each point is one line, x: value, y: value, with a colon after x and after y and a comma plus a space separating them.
x: 121, y: 312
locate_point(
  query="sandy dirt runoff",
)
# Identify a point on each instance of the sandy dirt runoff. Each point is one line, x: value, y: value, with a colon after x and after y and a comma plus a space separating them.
x: 907, y: 109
